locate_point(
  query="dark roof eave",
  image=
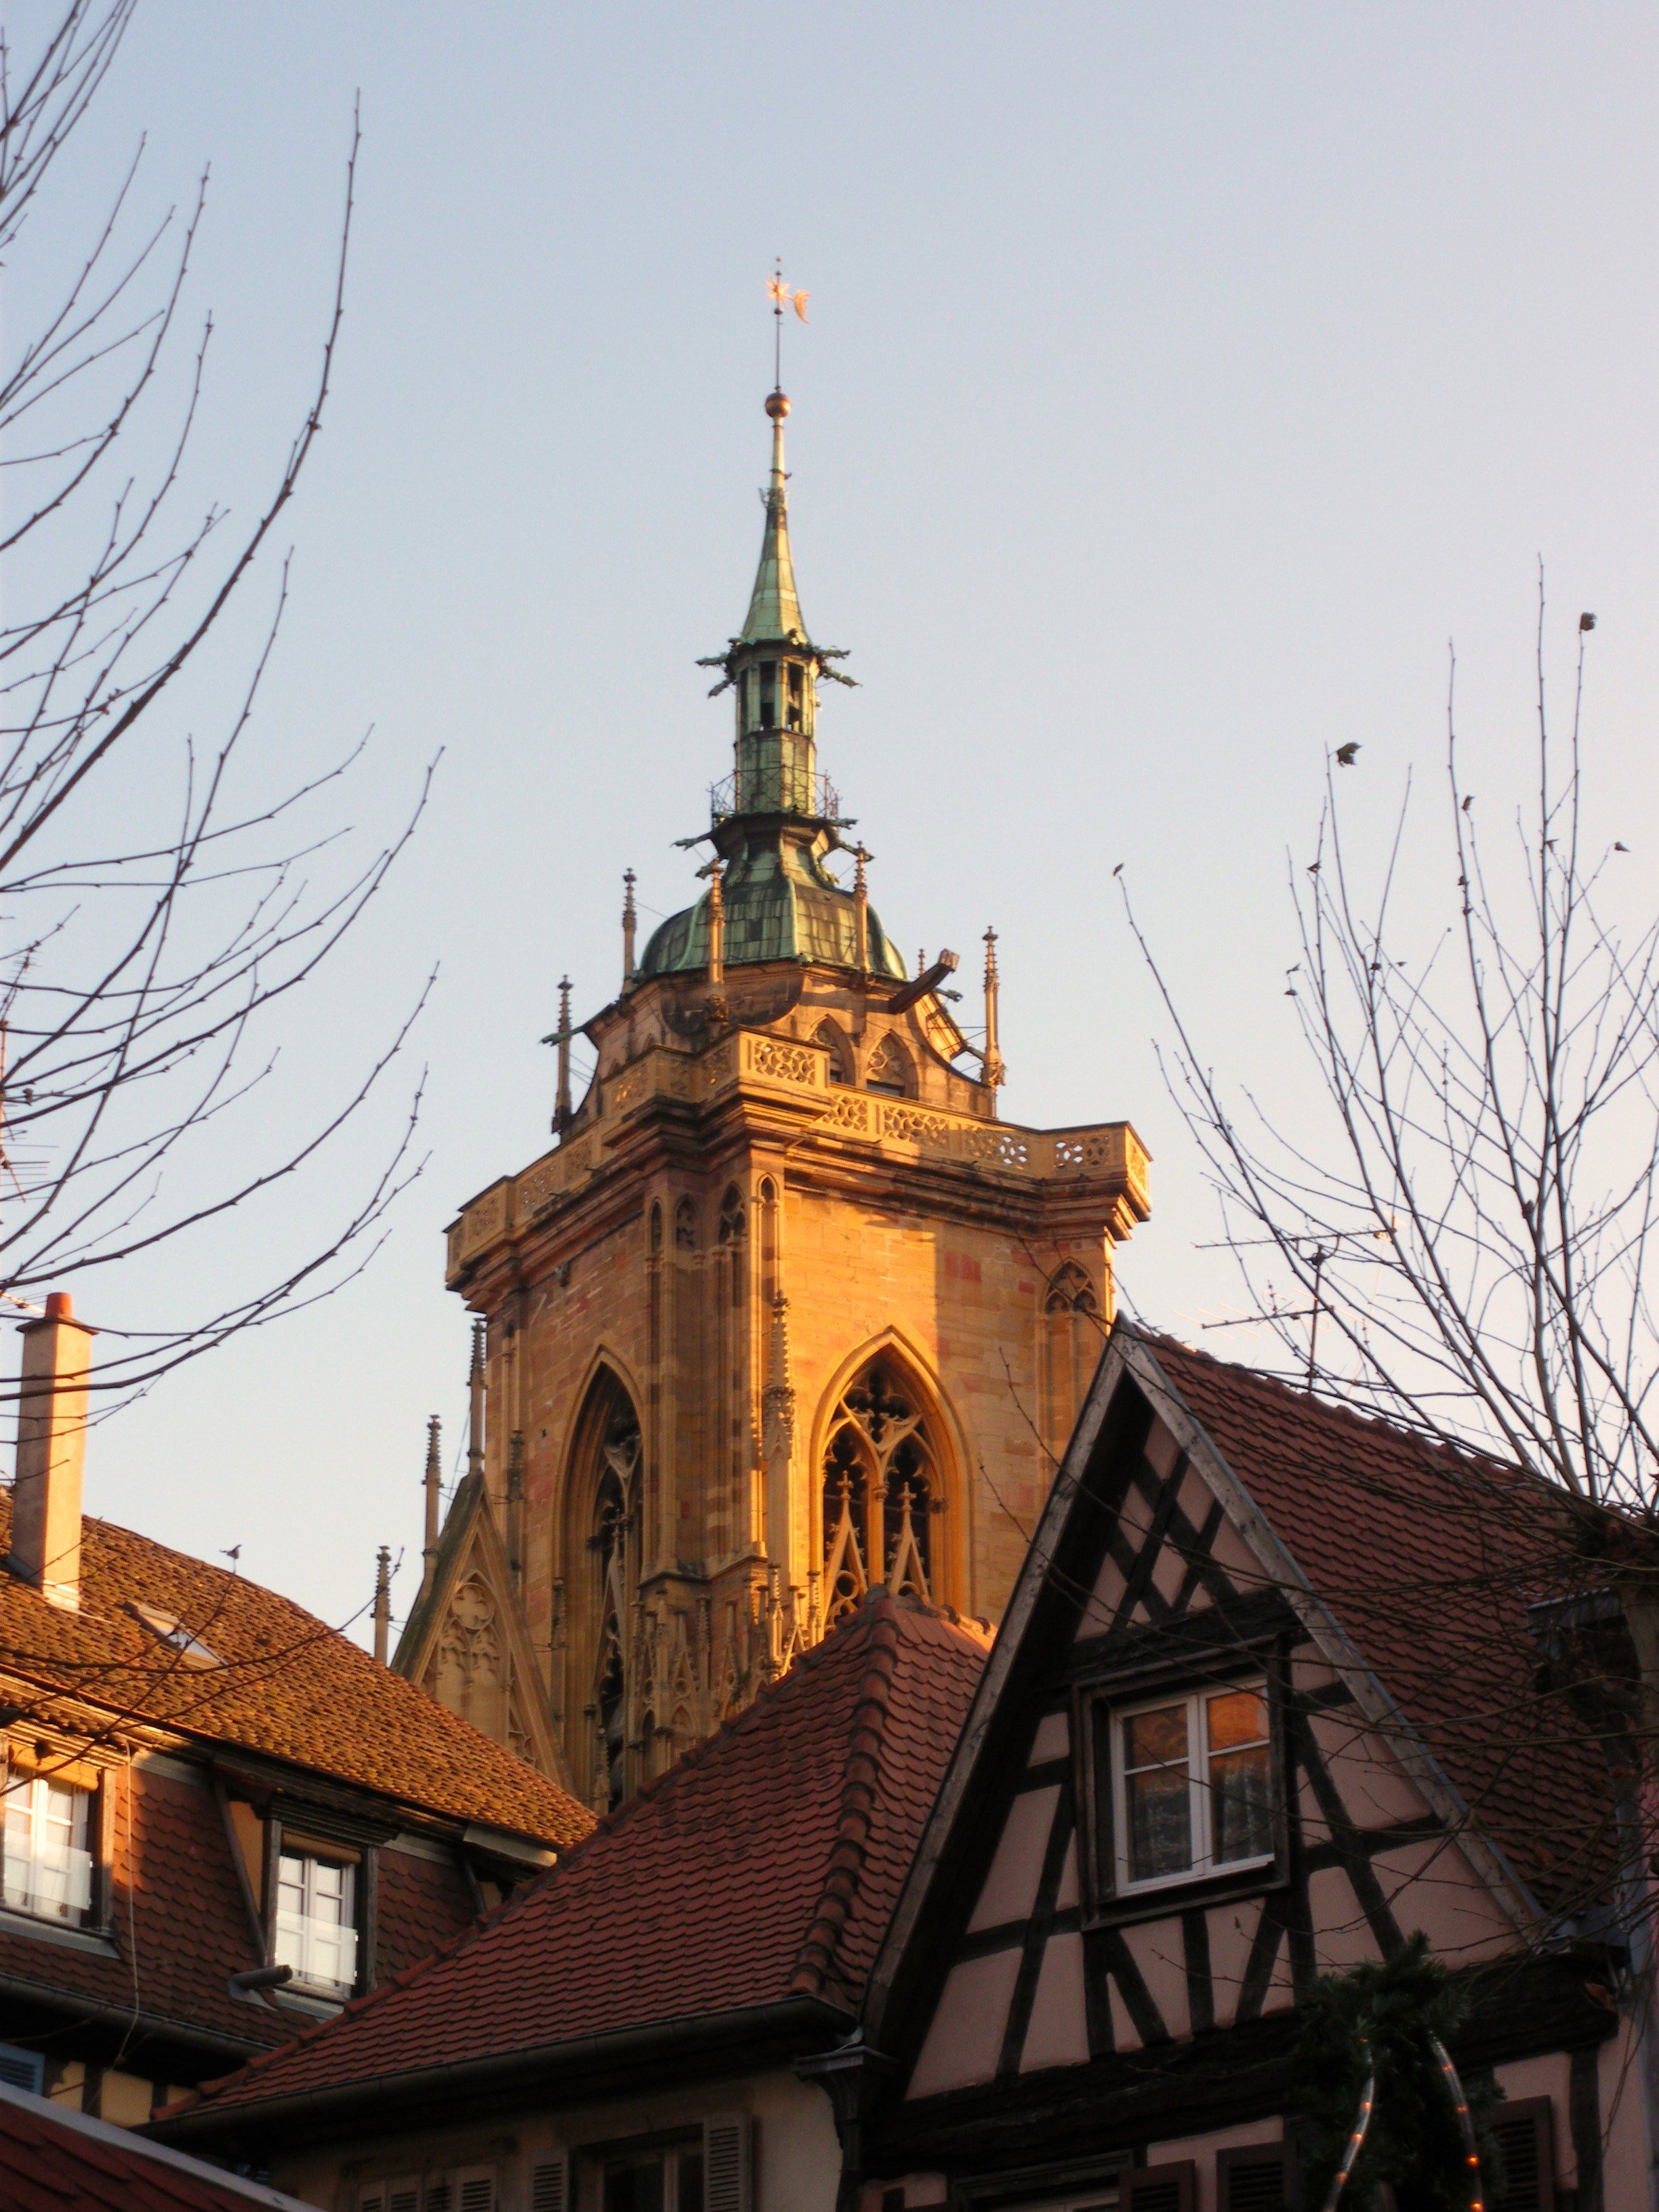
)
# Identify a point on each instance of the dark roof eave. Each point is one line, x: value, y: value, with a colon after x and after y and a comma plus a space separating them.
x: 163, y: 2027
x: 778, y: 2028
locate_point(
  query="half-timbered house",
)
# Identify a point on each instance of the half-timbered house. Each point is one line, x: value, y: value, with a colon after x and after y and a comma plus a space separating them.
x: 1278, y: 1687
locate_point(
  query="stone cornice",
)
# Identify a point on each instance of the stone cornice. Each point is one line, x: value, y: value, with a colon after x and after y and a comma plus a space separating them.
x: 754, y: 1086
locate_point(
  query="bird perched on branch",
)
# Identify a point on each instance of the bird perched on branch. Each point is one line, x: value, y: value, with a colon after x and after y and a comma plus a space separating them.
x: 1345, y: 755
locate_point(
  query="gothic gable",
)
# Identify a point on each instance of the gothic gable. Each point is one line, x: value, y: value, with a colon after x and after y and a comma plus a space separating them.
x: 466, y: 1643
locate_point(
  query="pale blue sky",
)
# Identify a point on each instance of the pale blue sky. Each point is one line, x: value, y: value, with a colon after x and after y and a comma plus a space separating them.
x: 1179, y: 379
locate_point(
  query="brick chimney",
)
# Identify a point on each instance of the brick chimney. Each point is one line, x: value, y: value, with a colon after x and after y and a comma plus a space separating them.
x: 51, y: 1442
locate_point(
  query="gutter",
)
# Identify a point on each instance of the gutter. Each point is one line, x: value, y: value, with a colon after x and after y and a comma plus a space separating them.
x: 56, y: 1998
x: 700, y: 2033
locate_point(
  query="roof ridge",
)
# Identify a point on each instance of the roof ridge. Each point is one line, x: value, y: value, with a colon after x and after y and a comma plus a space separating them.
x: 860, y: 1783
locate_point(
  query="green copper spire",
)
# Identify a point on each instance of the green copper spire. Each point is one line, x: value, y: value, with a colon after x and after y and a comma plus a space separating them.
x: 775, y: 819
x: 773, y: 608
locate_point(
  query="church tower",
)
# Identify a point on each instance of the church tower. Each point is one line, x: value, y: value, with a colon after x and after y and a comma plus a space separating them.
x: 786, y: 1312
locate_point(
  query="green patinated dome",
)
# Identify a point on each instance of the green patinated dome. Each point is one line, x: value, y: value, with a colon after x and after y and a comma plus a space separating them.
x: 780, y: 905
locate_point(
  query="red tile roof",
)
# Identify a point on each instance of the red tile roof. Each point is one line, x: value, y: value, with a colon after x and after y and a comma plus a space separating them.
x: 1428, y: 1559
x: 290, y: 1685
x: 54, y: 2161
x: 764, y: 1865
x: 180, y: 1929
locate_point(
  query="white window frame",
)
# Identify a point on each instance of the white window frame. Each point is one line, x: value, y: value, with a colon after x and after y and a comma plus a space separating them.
x: 1203, y: 1866
x: 28, y: 1803
x: 297, y: 1935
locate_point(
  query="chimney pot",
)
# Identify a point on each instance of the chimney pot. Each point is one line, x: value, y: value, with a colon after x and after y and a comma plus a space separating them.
x: 52, y: 1440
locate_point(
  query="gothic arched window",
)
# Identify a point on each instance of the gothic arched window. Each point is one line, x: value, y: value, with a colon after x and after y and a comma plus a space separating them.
x: 889, y: 1069
x: 1071, y: 1337
x: 607, y: 1473
x: 882, y: 1484
x: 841, y: 1058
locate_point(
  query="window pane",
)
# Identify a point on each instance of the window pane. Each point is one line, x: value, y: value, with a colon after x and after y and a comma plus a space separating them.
x: 690, y: 2181
x: 1241, y: 1805
x: 315, y: 1900
x: 1155, y: 1739
x: 47, y: 1871
x: 1160, y: 1838
x: 1239, y: 1717
x: 634, y: 2184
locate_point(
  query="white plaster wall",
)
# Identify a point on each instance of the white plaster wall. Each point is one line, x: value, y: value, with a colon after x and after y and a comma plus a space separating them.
x: 797, y: 2158
x: 1626, y: 2158
x: 964, y: 2038
x: 1058, y: 2031
x: 1053, y: 1739
x: 1011, y: 1886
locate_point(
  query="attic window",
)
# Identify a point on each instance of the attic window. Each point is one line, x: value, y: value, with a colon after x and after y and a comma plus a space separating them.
x: 1184, y: 1790
x: 167, y: 1629
x: 1192, y: 1781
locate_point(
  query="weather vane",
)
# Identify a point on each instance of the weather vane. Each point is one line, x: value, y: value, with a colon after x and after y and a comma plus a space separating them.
x: 781, y: 297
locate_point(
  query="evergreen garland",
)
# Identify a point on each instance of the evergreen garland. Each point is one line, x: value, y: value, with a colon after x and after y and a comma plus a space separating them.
x: 1413, y: 2144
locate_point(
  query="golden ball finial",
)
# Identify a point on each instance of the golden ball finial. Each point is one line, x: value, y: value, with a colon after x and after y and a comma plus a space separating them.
x: 777, y: 405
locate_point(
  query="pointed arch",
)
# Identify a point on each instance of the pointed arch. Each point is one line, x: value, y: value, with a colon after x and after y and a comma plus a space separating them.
x: 1072, y: 1336
x: 888, y: 1456
x: 833, y: 1038
x: 889, y: 1068
x: 603, y: 1537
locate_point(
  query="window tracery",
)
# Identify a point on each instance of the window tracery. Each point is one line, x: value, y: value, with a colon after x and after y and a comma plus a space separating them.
x: 889, y: 1070
x: 841, y: 1058
x: 882, y: 1486
x: 613, y: 1547
x: 1073, y: 1335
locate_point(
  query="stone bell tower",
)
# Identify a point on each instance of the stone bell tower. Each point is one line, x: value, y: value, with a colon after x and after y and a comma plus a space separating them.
x: 786, y: 1311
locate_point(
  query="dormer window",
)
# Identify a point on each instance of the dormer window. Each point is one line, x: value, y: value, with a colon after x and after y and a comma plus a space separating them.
x: 1192, y: 1784
x: 1181, y: 1789
x: 316, y: 1929
x: 47, y: 1868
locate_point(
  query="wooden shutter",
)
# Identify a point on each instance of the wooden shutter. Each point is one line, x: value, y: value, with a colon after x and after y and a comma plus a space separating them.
x: 1526, y: 2134
x: 1171, y: 2188
x: 22, y: 2069
x: 550, y: 2184
x: 475, y: 2189
x: 725, y: 2162
x: 403, y: 2195
x: 439, y: 2194
x: 1253, y: 2178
